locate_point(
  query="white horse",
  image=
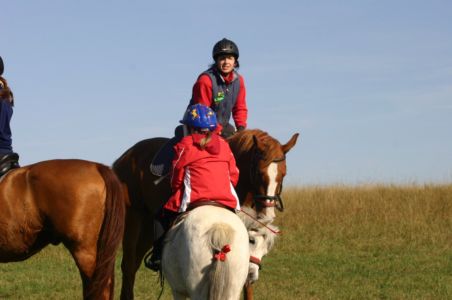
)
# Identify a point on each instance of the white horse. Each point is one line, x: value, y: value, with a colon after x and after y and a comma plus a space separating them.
x: 206, y: 255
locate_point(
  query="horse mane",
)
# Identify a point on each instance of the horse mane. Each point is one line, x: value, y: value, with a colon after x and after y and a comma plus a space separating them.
x: 243, y: 142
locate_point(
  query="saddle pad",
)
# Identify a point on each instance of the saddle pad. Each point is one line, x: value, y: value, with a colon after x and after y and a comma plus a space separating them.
x: 161, y: 163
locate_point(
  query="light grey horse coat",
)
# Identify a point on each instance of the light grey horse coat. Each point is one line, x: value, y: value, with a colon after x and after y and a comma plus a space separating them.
x: 196, y: 261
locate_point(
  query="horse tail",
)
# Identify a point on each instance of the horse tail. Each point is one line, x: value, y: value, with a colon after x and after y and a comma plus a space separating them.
x: 220, y: 235
x: 110, y: 234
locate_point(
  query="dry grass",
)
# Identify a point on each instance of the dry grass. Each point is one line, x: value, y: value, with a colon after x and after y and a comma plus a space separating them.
x: 365, y: 242
x: 393, y: 215
x: 338, y: 242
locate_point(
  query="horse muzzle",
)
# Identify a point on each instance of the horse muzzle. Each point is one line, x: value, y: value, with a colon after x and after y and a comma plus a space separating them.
x: 266, y: 201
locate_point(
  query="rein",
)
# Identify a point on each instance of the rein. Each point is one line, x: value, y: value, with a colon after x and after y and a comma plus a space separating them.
x: 264, y: 225
x: 254, y: 259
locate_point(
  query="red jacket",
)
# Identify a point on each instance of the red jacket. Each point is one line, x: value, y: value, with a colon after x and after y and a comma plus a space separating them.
x: 208, y: 174
x: 202, y: 93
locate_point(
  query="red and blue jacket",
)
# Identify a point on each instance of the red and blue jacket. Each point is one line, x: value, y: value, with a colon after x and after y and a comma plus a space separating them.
x: 208, y: 174
x: 225, y: 95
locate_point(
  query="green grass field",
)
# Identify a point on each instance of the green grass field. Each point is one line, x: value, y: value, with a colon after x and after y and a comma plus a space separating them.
x: 337, y: 242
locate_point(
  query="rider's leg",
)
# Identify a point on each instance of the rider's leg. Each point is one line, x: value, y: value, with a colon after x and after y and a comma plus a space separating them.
x: 162, y: 224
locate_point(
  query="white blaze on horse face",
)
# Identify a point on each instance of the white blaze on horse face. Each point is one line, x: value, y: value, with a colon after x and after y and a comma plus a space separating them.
x: 272, y: 172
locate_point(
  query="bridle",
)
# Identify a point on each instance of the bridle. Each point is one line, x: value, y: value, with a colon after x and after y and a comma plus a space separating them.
x: 256, y: 261
x: 274, y: 201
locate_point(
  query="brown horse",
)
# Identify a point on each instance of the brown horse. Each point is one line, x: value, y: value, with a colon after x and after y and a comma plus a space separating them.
x: 78, y: 203
x: 260, y: 159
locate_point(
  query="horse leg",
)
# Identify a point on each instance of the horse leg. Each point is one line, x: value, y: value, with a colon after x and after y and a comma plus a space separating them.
x: 248, y: 292
x: 178, y: 296
x: 85, y: 258
x: 136, y: 242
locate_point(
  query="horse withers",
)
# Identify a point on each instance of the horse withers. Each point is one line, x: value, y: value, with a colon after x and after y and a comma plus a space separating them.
x: 75, y: 202
x: 206, y: 255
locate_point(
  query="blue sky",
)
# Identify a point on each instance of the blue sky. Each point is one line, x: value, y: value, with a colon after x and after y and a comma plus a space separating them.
x: 367, y: 84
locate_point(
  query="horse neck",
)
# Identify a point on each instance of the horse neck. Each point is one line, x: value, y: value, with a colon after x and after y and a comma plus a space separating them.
x: 244, y: 183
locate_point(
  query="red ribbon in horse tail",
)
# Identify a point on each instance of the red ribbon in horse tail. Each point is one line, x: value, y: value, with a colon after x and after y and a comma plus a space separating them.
x: 221, y: 255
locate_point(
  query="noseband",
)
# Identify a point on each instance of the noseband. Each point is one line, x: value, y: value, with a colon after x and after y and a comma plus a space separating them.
x: 265, y: 200
x: 256, y: 261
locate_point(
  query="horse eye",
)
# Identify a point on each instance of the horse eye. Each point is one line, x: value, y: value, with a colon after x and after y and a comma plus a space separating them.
x: 252, y: 242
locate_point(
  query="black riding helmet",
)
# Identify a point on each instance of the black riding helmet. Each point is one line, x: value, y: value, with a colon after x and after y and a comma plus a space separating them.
x: 225, y: 46
x: 1, y: 65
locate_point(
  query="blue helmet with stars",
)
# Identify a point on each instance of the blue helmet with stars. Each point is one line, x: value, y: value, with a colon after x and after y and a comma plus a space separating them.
x: 200, y: 116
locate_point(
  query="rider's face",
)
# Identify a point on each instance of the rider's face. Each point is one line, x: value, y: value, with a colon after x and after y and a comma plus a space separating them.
x: 226, y: 63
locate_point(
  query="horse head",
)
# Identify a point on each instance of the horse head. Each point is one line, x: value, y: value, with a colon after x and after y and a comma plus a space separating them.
x: 262, y: 163
x: 262, y: 238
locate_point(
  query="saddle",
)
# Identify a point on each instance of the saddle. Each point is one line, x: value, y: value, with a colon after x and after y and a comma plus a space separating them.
x: 199, y: 203
x: 8, y: 162
x: 161, y: 163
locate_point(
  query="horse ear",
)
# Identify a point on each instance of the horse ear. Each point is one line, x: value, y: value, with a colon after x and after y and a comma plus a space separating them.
x: 290, y: 143
x: 260, y: 146
x: 1, y: 66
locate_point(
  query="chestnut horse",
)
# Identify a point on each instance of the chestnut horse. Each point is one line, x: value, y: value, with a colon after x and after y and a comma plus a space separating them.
x: 260, y: 159
x: 75, y: 202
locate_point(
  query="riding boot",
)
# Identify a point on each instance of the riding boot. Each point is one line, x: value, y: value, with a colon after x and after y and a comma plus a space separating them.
x: 162, y: 223
x: 154, y: 262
